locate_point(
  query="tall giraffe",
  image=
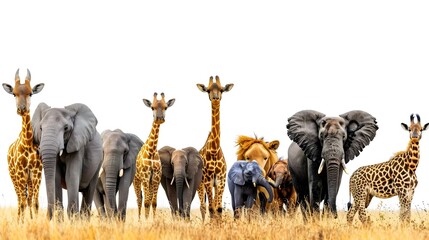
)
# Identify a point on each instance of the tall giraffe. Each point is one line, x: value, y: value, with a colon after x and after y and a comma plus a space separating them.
x: 214, y: 169
x: 25, y: 165
x: 148, y: 164
x: 395, y: 177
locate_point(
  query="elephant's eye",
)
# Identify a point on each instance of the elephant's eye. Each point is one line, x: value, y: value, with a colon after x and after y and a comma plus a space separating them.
x: 66, y: 128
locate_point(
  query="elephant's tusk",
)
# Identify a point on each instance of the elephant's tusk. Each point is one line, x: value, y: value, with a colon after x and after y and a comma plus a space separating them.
x: 61, y: 152
x: 121, y: 172
x: 172, y: 180
x: 101, y: 171
x: 343, y: 164
x: 254, y: 184
x: 321, y: 166
x: 186, y: 181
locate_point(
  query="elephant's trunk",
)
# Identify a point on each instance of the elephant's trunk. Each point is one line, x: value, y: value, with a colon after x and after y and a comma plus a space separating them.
x: 263, y: 182
x: 179, y: 186
x: 334, y: 178
x: 49, y: 151
x: 111, y: 186
x: 278, y: 182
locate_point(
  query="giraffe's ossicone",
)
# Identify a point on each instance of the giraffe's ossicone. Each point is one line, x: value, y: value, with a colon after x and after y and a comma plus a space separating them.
x: 24, y: 162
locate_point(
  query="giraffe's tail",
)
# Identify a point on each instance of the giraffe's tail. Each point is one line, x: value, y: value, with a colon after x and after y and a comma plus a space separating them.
x: 349, y: 204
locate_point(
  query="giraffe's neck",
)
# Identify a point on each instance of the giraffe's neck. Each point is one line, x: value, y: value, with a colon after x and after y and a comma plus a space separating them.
x: 214, y: 137
x: 152, y: 141
x: 26, y: 135
x: 412, y: 154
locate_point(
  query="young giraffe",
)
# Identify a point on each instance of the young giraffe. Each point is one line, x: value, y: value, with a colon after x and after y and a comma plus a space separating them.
x: 148, y: 164
x: 214, y: 169
x: 395, y: 177
x: 25, y: 165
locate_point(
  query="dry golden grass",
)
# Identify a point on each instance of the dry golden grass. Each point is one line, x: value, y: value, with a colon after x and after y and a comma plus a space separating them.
x: 385, y: 225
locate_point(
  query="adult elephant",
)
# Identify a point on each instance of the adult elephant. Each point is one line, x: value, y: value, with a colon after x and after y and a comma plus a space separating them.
x: 180, y: 166
x: 243, y: 179
x: 71, y: 152
x: 319, y: 152
x: 117, y: 172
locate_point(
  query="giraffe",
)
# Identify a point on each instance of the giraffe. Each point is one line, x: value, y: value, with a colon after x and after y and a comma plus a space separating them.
x: 25, y: 165
x: 148, y: 164
x: 395, y: 177
x: 214, y: 168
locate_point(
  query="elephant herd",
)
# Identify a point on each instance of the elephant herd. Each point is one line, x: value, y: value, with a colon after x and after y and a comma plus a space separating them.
x: 76, y: 157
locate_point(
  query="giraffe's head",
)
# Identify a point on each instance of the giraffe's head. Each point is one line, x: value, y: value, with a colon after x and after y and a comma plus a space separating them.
x: 23, y: 92
x: 215, y: 89
x: 159, y: 106
x: 415, y: 129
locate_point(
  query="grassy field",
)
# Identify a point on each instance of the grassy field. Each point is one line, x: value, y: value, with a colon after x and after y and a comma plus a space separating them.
x: 384, y: 225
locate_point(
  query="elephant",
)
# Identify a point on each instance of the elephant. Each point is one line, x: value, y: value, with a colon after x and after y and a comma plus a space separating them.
x: 117, y: 172
x: 321, y: 147
x: 243, y: 179
x: 284, y: 191
x: 180, y: 166
x: 71, y: 150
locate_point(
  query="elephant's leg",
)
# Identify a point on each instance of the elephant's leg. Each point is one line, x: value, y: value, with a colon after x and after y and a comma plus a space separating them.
x: 99, y: 203
x: 88, y: 197
x: 315, y: 186
x: 124, y: 188
x: 238, y: 204
x: 137, y: 183
x: 73, y: 170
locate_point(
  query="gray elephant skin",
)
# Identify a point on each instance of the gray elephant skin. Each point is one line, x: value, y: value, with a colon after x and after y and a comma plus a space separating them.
x: 71, y: 150
x: 117, y: 172
x: 179, y: 167
x: 243, y: 179
x: 319, y: 152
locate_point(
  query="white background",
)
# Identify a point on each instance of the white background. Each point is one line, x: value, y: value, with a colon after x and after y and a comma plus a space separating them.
x: 282, y: 56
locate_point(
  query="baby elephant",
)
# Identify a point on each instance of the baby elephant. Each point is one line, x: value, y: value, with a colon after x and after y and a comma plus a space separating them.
x: 243, y: 179
x: 180, y: 167
x: 117, y: 172
x: 284, y: 191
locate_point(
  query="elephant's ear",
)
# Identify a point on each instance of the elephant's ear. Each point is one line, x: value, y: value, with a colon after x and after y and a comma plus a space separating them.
x: 195, y: 161
x: 361, y: 128
x: 303, y: 128
x: 84, y: 126
x: 165, y: 157
x: 35, y: 121
x: 134, y: 144
x: 236, y: 172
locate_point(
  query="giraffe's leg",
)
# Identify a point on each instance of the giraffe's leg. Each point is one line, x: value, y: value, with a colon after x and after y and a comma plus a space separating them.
x: 147, y: 196
x: 201, y: 195
x: 405, y: 198
x: 137, y: 188
x: 360, y: 204
x: 209, y: 194
x: 22, y: 203
x: 30, y: 189
x: 156, y: 180
x: 220, y: 187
